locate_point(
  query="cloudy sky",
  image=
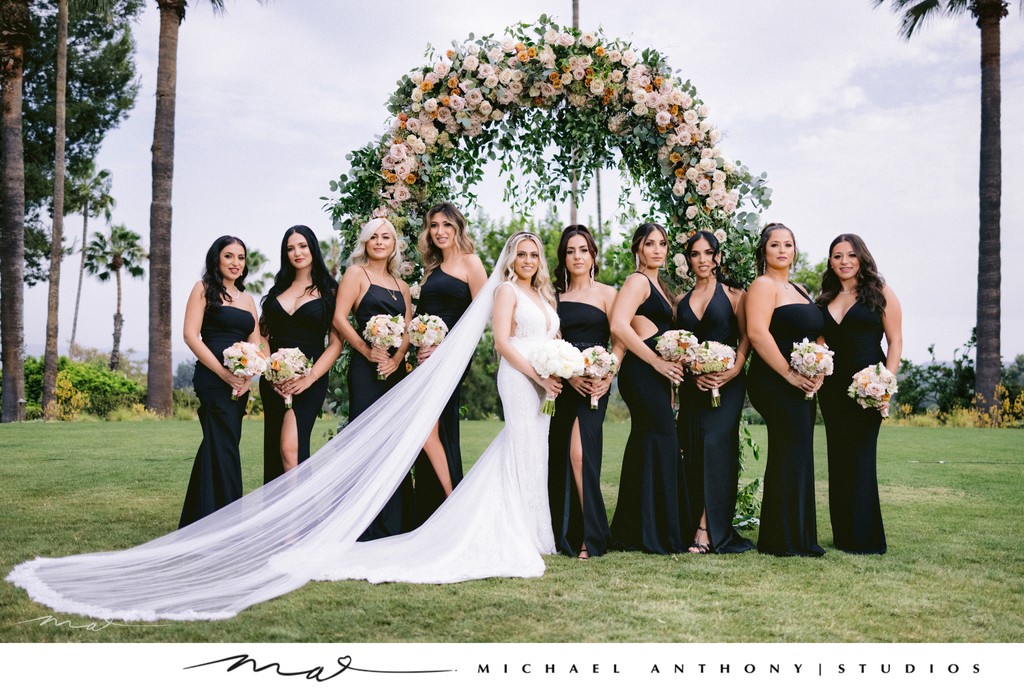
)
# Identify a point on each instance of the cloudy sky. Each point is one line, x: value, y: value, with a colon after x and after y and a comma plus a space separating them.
x: 858, y: 130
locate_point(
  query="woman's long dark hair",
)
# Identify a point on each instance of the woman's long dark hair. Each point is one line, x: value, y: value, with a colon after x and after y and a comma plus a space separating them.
x: 720, y: 274
x: 761, y: 254
x: 560, y: 279
x: 869, y: 282
x: 320, y: 278
x: 213, y: 280
x: 639, y: 236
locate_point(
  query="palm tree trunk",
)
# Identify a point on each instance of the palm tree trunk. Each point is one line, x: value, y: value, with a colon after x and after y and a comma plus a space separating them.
x: 56, y: 236
x: 14, y: 19
x: 81, y: 273
x: 989, y: 14
x: 115, y: 352
x: 159, y: 377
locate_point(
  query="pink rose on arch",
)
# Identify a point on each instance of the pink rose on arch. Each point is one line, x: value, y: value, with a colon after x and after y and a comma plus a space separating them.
x: 401, y: 193
x: 704, y: 186
x: 412, y: 125
x: 663, y: 118
x: 491, y: 82
x: 471, y: 62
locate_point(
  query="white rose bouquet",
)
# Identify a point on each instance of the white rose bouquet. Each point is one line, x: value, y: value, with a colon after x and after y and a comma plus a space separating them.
x: 244, y: 358
x: 285, y: 364
x: 427, y: 330
x: 598, y: 363
x: 713, y: 357
x: 811, y: 359
x: 874, y: 386
x: 384, y: 331
x: 555, y: 357
x: 676, y: 345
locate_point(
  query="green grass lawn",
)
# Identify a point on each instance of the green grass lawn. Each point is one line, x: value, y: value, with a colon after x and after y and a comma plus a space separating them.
x: 951, y: 500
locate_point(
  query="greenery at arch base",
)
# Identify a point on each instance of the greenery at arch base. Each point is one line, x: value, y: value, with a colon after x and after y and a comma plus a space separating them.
x: 552, y: 104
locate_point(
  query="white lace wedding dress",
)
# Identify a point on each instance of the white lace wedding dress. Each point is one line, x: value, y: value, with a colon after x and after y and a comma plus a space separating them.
x: 497, y: 521
x: 304, y: 525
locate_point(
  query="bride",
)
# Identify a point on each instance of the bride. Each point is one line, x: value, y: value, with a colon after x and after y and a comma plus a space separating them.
x: 303, y: 526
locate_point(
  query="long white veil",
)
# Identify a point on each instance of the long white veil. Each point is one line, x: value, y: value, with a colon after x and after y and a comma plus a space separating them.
x: 214, y: 568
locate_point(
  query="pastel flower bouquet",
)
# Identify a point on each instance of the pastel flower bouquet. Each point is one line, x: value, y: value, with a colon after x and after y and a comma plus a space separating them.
x: 555, y: 357
x: 384, y: 331
x: 598, y: 363
x: 426, y: 331
x: 286, y: 364
x: 244, y: 358
x: 811, y: 359
x: 874, y: 387
x: 713, y: 357
x: 676, y: 345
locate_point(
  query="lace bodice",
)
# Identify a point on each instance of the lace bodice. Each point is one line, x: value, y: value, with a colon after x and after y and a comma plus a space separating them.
x: 531, y: 321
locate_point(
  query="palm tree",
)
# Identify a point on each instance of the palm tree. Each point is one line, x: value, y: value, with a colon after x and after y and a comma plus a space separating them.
x: 88, y: 194
x: 108, y: 255
x: 57, y: 231
x: 987, y: 14
x: 15, y: 33
x: 159, y: 381
x: 257, y: 280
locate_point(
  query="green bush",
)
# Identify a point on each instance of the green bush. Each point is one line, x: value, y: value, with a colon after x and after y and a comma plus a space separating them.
x: 107, y: 390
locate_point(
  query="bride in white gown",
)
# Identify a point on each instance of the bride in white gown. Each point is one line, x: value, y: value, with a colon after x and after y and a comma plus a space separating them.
x: 497, y: 522
x: 303, y: 525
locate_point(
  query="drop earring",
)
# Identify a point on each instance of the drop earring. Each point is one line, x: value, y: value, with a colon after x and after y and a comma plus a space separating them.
x: 591, y: 275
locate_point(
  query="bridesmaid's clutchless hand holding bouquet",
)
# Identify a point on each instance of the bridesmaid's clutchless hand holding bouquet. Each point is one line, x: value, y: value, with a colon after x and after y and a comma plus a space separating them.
x: 384, y: 331
x: 598, y: 363
x: 245, y: 359
x: 811, y: 359
x: 285, y: 364
x: 874, y: 387
x: 713, y: 357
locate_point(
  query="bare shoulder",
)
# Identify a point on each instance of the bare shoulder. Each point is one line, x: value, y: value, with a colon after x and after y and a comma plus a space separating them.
x: 762, y: 286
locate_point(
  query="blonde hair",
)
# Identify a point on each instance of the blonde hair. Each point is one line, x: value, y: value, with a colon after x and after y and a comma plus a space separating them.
x: 358, y: 256
x: 430, y: 253
x: 541, y: 279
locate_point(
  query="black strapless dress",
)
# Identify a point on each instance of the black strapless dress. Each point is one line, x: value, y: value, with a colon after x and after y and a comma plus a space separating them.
x: 448, y: 298
x: 583, y: 326
x: 652, y: 513
x: 216, y: 478
x: 305, y: 329
x: 363, y: 390
x: 788, y: 523
x: 710, y: 436
x: 852, y: 433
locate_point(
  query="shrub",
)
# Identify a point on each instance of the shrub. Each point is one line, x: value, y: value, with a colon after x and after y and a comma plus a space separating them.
x: 107, y: 390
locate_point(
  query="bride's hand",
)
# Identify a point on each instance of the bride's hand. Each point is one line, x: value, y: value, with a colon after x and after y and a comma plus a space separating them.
x: 552, y: 386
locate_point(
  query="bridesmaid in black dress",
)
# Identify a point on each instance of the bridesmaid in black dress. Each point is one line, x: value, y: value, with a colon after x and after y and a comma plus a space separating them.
x: 652, y: 513
x: 780, y: 313
x: 858, y: 308
x: 578, y: 516
x: 371, y: 286
x: 453, y: 275
x: 710, y: 436
x: 297, y: 313
x: 218, y: 314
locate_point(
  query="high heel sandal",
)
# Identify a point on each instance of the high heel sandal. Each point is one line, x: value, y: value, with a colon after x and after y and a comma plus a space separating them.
x: 698, y: 547
x: 583, y: 555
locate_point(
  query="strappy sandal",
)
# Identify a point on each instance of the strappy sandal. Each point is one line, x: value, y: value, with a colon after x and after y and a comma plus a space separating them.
x: 583, y: 555
x: 698, y: 547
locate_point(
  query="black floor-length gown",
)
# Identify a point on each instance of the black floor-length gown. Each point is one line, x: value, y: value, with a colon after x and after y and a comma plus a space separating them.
x: 216, y: 478
x: 363, y: 390
x: 583, y: 326
x: 788, y: 522
x: 446, y: 297
x: 710, y: 436
x: 652, y: 513
x: 305, y: 329
x: 852, y: 433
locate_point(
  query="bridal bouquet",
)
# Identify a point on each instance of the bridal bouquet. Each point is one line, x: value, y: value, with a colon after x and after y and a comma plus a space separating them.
x: 285, y: 364
x: 713, y: 357
x: 244, y: 358
x: 598, y: 363
x: 555, y: 357
x: 874, y: 387
x: 384, y: 331
x: 427, y: 330
x: 811, y: 359
x: 676, y: 345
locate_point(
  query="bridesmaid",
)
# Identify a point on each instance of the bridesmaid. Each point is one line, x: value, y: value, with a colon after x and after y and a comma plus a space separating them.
x: 453, y: 275
x: 297, y: 312
x: 858, y: 308
x: 710, y: 436
x: 652, y: 513
x: 218, y: 314
x: 780, y: 313
x: 578, y: 514
x: 371, y: 286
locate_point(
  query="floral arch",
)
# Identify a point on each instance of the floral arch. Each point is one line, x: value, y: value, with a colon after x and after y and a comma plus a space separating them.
x: 597, y: 102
